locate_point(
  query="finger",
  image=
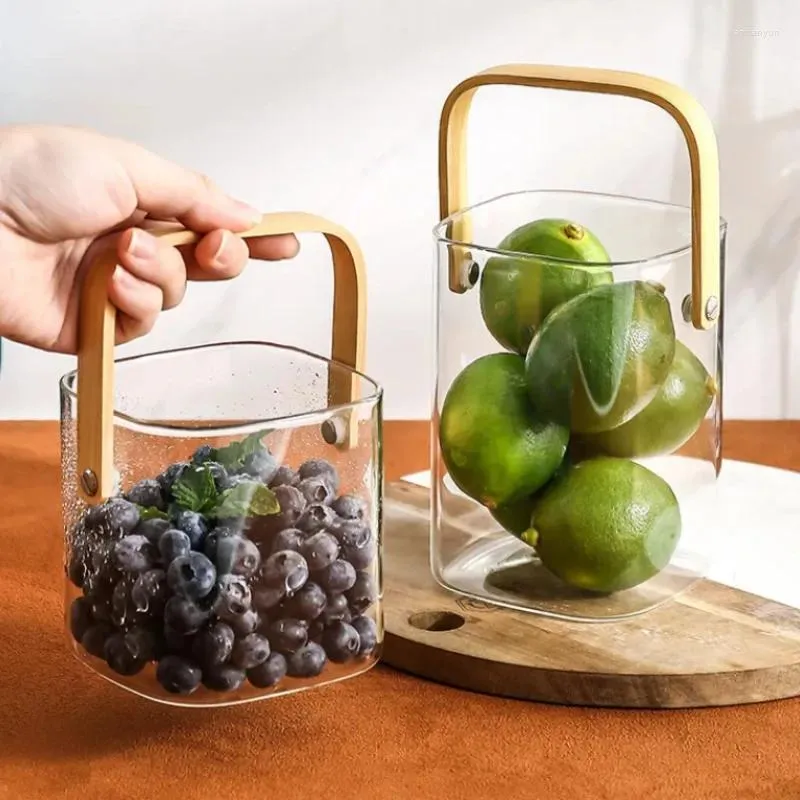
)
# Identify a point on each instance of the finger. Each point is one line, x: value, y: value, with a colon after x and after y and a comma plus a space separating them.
x: 221, y: 255
x: 137, y: 302
x: 153, y: 261
x: 165, y: 189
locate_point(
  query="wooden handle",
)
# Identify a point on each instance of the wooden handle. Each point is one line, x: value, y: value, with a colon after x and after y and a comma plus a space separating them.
x: 685, y: 110
x: 95, y: 433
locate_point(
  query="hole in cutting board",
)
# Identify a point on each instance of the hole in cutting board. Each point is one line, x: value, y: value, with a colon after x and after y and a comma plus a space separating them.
x: 436, y: 621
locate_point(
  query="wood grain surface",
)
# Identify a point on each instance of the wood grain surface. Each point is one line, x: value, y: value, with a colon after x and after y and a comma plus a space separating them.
x: 710, y: 646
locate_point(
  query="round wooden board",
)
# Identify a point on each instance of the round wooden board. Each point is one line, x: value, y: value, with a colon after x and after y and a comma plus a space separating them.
x: 711, y: 646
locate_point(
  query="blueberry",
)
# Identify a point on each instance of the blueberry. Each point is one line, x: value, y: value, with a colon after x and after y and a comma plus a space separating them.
x: 147, y: 493
x: 94, y: 518
x: 319, y: 551
x: 261, y: 465
x: 203, y: 454
x: 315, y: 630
x: 134, y: 553
x: 309, y: 602
x: 268, y: 674
x: 213, y: 539
x: 267, y: 597
x: 287, y: 635
x: 183, y: 615
x: 173, y: 544
x: 316, y: 517
x: 250, y: 651
x: 80, y: 617
x: 292, y: 504
x: 338, y: 576
x: 101, y: 558
x: 119, y: 657
x: 237, y: 555
x: 78, y: 564
x: 94, y: 638
x: 168, y: 477
x: 177, y: 643
x: 213, y: 645
x: 141, y: 643
x: 178, y: 675
x: 153, y: 529
x: 307, y: 662
x: 149, y: 592
x: 341, y: 642
x: 233, y: 597
x: 245, y: 623
x: 284, y: 476
x: 348, y: 506
x: 367, y: 634
x: 223, y: 678
x: 335, y: 609
x: 116, y: 517
x: 123, y: 609
x: 351, y: 533
x: 285, y: 569
x: 192, y: 576
x: 289, y: 539
x: 316, y: 490
x: 194, y: 525
x: 361, y: 557
x: 319, y: 468
x: 363, y: 593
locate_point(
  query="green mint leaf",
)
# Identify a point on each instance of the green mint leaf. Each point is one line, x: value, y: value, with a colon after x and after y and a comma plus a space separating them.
x: 234, y: 454
x: 151, y: 512
x: 247, y: 499
x: 195, y: 489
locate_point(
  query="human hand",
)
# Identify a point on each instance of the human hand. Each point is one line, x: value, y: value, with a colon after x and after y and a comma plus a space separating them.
x: 65, y: 191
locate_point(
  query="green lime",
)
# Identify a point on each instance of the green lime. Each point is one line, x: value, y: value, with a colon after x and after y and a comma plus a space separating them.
x: 608, y: 524
x: 495, y: 449
x: 516, y: 517
x: 599, y: 358
x: 669, y: 420
x: 516, y: 294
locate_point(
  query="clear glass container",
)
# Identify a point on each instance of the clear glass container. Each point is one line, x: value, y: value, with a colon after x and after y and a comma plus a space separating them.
x: 576, y: 429
x: 240, y: 555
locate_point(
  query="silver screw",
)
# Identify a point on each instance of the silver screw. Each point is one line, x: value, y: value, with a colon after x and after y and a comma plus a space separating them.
x: 470, y: 272
x: 333, y: 430
x: 712, y: 308
x: 89, y: 481
x: 686, y: 308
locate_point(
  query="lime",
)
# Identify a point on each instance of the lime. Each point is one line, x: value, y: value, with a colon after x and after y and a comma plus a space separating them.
x: 495, y: 449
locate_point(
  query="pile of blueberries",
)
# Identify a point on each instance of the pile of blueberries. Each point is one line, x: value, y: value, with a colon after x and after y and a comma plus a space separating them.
x: 218, y: 601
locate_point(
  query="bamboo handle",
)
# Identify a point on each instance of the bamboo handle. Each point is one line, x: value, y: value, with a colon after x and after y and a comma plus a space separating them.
x: 684, y: 109
x: 95, y: 434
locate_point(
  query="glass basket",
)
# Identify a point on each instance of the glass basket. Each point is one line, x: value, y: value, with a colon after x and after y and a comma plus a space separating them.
x: 577, y: 418
x: 222, y: 504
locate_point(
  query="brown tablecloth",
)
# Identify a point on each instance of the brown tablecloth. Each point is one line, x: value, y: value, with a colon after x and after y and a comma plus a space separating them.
x: 65, y: 733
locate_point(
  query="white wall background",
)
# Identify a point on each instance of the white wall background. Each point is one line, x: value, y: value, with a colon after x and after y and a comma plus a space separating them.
x: 332, y: 106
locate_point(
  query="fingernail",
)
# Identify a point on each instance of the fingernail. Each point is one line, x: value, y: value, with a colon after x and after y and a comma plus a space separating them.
x: 141, y: 244
x: 253, y: 214
x: 219, y: 257
x: 123, y: 277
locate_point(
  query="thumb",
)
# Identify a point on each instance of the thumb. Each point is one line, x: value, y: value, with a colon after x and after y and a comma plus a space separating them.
x: 165, y: 190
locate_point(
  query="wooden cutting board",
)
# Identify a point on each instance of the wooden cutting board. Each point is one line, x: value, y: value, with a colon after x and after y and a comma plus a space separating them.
x: 711, y: 646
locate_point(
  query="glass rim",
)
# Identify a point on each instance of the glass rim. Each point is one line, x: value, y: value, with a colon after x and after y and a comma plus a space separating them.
x: 644, y: 201
x: 373, y: 397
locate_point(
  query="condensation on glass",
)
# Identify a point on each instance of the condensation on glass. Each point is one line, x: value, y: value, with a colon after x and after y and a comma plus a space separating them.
x: 240, y: 555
